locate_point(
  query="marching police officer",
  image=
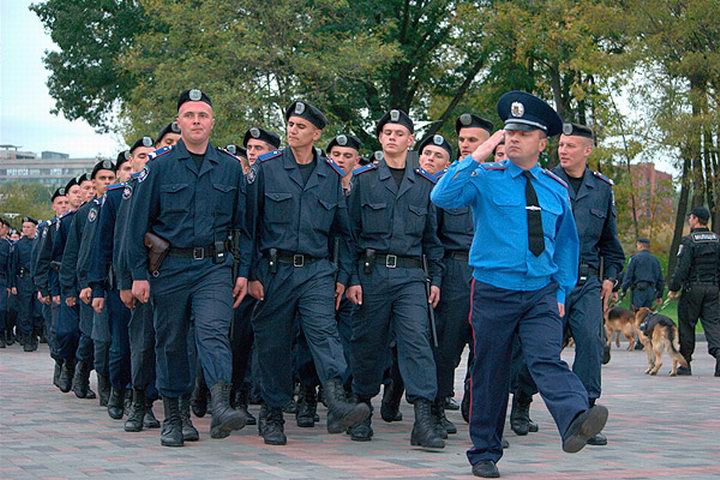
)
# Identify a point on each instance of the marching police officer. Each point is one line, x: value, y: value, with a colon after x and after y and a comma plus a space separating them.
x: 29, y: 309
x: 525, y: 259
x: 189, y: 201
x: 5, y: 281
x: 697, y: 274
x: 644, y: 276
x: 258, y: 141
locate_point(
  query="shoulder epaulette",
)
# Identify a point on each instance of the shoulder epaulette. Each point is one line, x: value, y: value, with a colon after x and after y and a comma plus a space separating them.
x: 336, y: 168
x: 493, y: 166
x: 159, y: 152
x: 364, y: 168
x: 227, y: 152
x: 116, y: 186
x: 269, y: 156
x: 426, y: 175
x: 554, y: 177
x: 602, y: 177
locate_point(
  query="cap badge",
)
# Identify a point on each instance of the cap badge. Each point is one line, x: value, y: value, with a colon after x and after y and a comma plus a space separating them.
x: 394, y: 115
x: 195, y: 95
x: 147, y: 142
x: 255, y: 132
x: 232, y: 149
x: 299, y: 108
x: 438, y: 140
x: 174, y: 127
x: 567, y: 128
x: 517, y: 109
x: 341, y: 140
x: 465, y: 119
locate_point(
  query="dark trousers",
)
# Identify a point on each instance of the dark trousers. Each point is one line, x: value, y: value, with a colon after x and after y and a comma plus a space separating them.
x: 296, y: 295
x: 53, y: 314
x: 67, y: 330
x: 643, y: 297
x: 394, y: 306
x: 699, y: 301
x: 141, y: 336
x: 4, y: 296
x: 29, y: 308
x: 85, y: 350
x: 453, y: 327
x: 497, y: 314
x: 102, y: 340
x: 119, y: 355
x: 241, y: 341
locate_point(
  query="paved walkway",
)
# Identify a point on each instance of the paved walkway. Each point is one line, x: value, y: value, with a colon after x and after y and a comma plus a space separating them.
x: 659, y: 427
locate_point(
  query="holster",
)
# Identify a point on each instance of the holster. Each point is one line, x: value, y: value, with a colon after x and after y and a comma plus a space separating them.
x: 158, y: 249
x: 368, y: 261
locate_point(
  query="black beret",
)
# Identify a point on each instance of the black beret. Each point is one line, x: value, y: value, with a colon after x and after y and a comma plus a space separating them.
x: 59, y: 192
x: 193, y: 95
x: 169, y: 128
x: 29, y: 219
x: 83, y: 178
x: 643, y: 240
x: 438, y: 141
x: 258, y: 133
x: 577, y: 130
x: 701, y: 213
x: 142, y: 142
x: 523, y: 111
x: 122, y: 157
x: 395, y: 116
x: 73, y: 181
x: 308, y: 112
x: 104, y: 165
x: 344, y: 140
x: 470, y: 120
x: 237, y: 150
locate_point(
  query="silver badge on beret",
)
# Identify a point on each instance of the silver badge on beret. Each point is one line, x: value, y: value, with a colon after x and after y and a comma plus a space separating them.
x: 517, y: 109
x: 61, y: 191
x: 232, y: 149
x: 567, y: 128
x: 126, y: 154
x: 341, y: 140
x: 465, y: 119
x: 107, y: 164
x: 147, y: 142
x: 299, y: 108
x: 174, y: 127
x: 438, y: 140
x: 255, y: 132
x: 394, y: 115
x: 195, y: 95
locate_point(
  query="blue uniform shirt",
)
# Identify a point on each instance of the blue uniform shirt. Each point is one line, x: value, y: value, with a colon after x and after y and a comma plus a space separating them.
x: 499, y: 254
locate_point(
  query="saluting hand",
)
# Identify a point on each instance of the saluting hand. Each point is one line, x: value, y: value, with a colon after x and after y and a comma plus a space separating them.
x: 240, y: 290
x: 355, y: 294
x: 141, y: 290
x: 485, y: 149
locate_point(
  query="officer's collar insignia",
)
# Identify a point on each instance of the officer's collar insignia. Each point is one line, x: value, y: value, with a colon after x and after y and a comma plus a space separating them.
x: 517, y: 109
x: 341, y: 140
x: 426, y: 175
x: 195, y: 95
x: 142, y: 175
x: 92, y: 215
x: 269, y: 156
x: 394, y: 115
x: 147, y: 142
x: 364, y: 168
x: 255, y: 132
x: 299, y: 108
x: 438, y: 140
x: 127, y: 192
x: 231, y: 149
x: 336, y: 168
x: 465, y: 119
x: 567, y: 128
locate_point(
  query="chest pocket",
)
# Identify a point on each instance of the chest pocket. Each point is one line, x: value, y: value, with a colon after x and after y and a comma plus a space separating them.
x: 458, y: 220
x: 278, y: 207
x: 224, y: 201
x: 596, y: 221
x: 416, y: 219
x: 375, y: 217
x: 550, y: 214
x: 175, y: 197
x: 324, y: 216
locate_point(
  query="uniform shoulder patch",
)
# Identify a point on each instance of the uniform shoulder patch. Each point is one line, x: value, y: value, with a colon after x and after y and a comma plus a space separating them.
x: 602, y: 177
x: 92, y: 215
x: 336, y: 168
x: 364, y: 168
x: 426, y: 175
x: 127, y: 192
x: 116, y: 186
x: 160, y: 152
x: 142, y: 175
x: 269, y: 156
x: 493, y: 166
x: 554, y: 177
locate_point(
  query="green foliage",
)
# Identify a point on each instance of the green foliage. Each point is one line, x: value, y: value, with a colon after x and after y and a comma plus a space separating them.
x: 21, y: 199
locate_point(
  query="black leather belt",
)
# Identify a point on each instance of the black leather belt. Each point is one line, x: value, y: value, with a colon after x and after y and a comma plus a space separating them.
x: 458, y: 255
x: 298, y: 260
x: 389, y: 260
x: 196, y: 253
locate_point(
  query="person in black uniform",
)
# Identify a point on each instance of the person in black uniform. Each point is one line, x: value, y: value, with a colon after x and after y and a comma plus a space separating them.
x: 29, y: 323
x: 5, y: 263
x: 644, y: 276
x: 697, y: 275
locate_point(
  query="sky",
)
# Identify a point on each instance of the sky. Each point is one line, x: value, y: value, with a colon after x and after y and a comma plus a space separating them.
x: 25, y: 104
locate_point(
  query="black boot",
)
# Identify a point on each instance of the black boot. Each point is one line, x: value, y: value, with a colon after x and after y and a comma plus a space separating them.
x: 363, y: 432
x: 66, y: 376
x: 306, y: 407
x: 437, y: 423
x: 447, y: 424
x: 2, y: 340
x: 224, y: 418
x: 520, y: 416
x: 242, y: 396
x: 171, y: 433
x: 149, y: 421
x: 342, y: 413
x: 81, y: 381
x: 717, y: 366
x: 684, y: 371
x: 199, y: 398
x: 273, y: 426
x: 103, y: 385
x: 423, y: 433
x: 465, y: 404
x: 127, y: 403
x: 451, y: 404
x: 189, y: 432
x: 390, y: 406
x: 57, y: 372
x: 134, y: 422
x: 116, y: 403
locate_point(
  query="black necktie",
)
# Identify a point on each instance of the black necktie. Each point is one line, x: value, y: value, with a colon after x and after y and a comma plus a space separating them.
x: 536, y: 241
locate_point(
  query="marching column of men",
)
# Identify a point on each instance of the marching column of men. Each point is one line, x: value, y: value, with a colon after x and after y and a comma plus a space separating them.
x: 204, y: 271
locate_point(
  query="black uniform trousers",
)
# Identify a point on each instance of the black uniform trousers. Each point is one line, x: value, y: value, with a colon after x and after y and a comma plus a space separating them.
x: 699, y: 300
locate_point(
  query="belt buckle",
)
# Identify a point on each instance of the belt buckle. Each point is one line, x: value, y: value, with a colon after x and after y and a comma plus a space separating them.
x: 391, y: 261
x: 298, y: 260
x: 198, y: 253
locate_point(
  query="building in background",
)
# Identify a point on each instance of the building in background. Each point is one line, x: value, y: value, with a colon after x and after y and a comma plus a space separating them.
x: 51, y: 168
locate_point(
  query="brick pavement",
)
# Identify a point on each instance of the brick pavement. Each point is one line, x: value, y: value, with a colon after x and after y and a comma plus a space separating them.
x: 659, y: 427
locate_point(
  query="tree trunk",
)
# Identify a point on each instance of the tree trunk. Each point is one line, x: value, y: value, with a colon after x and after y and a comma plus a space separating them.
x: 681, y: 211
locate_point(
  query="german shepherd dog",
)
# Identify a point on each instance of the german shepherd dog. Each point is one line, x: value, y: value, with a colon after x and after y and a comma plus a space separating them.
x: 622, y: 321
x: 658, y: 333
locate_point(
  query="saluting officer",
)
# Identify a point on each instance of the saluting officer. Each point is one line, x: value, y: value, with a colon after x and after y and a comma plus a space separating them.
x: 193, y: 197
x: 29, y: 321
x: 525, y: 259
x: 697, y: 274
x: 394, y: 225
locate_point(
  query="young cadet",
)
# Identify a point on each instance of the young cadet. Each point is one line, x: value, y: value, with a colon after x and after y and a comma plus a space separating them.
x: 5, y: 274
x: 29, y: 321
x: 394, y: 225
x: 258, y: 141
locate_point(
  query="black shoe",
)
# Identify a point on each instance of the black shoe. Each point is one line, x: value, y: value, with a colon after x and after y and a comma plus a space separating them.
x: 520, y: 416
x: 2, y: 341
x: 115, y: 404
x: 171, y: 433
x: 273, y: 426
x: 291, y: 407
x: 423, y: 433
x: 9, y: 338
x: 189, y: 432
x: 43, y: 338
x: 486, y: 469
x: 597, y: 440
x: 242, y: 397
x: 390, y: 406
x: 342, y: 413
x: 685, y: 371
x: 66, y: 376
x: 199, y: 398
x: 127, y: 403
x: 717, y: 367
x: 363, y: 432
x: 638, y: 345
x: 81, y: 380
x: 149, y: 420
x: 134, y: 422
x: 57, y: 372
x: 606, y: 355
x: 465, y: 404
x: 451, y: 404
x: 306, y: 408
x: 585, y: 426
x: 103, y: 385
x: 505, y: 443
x: 532, y: 426
x: 224, y: 418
